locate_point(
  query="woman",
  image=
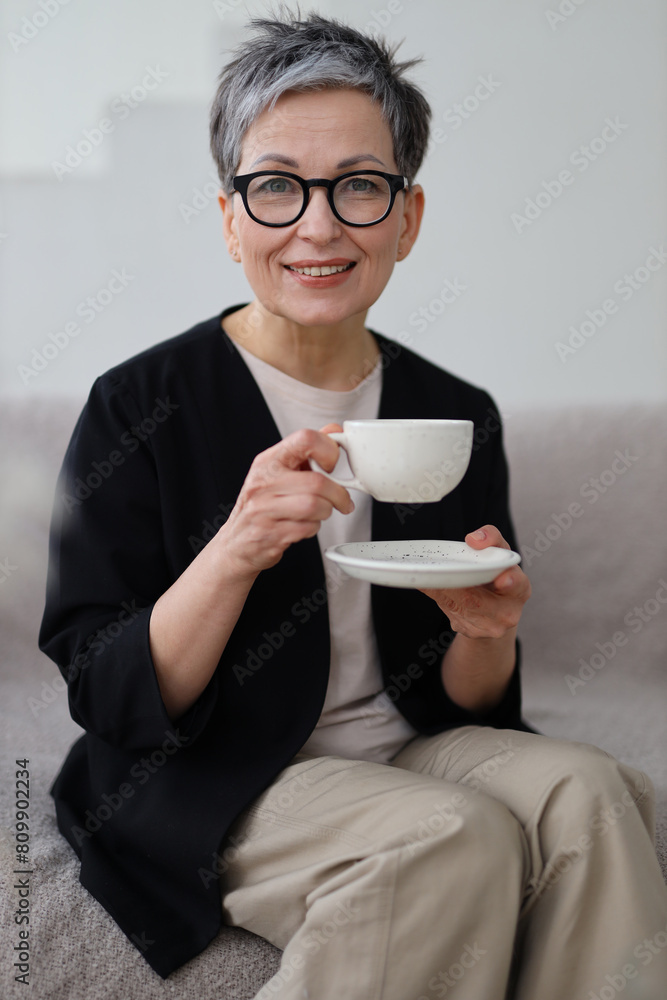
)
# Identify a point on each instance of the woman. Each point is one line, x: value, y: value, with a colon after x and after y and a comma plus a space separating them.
x: 355, y: 784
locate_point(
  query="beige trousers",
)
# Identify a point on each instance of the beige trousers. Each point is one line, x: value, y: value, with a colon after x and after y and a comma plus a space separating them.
x: 481, y: 864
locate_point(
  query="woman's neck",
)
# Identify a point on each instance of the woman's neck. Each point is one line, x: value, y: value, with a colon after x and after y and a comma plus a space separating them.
x: 330, y: 357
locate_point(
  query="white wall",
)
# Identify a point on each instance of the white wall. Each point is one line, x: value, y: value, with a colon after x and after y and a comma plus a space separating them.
x: 556, y: 80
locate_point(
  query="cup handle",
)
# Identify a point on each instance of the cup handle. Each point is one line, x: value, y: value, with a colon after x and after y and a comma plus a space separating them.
x: 350, y: 484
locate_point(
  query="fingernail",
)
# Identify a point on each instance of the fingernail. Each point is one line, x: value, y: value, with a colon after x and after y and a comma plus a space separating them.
x: 506, y: 582
x: 480, y: 534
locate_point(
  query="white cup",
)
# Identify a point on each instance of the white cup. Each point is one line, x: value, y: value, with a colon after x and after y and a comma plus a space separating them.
x: 404, y: 461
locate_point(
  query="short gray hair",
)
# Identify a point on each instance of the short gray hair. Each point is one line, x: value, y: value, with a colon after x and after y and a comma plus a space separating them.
x: 314, y: 53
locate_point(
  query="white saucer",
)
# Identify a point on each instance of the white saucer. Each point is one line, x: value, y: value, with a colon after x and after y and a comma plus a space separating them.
x: 421, y: 564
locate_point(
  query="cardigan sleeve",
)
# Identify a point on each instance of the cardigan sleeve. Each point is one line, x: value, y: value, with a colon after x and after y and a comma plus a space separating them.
x: 107, y: 568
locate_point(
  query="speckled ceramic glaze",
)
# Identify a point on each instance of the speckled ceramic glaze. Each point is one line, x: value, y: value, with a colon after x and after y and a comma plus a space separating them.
x: 405, y: 461
x: 422, y: 564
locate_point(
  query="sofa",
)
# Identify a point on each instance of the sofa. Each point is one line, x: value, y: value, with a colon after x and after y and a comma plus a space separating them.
x: 588, y: 488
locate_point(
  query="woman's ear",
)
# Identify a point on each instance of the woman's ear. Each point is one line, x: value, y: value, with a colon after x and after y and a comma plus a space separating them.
x: 229, y: 224
x: 413, y: 210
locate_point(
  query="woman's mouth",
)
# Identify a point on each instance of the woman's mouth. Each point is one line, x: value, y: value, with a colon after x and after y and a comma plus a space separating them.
x: 323, y: 269
x: 311, y: 275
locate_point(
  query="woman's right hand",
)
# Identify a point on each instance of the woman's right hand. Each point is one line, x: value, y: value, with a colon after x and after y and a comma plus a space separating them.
x: 282, y: 501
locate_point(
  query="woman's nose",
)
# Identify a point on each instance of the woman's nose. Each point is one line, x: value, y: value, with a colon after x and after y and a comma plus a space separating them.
x: 318, y: 223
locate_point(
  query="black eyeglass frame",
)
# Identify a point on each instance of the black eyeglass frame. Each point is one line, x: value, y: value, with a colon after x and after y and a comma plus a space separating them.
x: 397, y: 182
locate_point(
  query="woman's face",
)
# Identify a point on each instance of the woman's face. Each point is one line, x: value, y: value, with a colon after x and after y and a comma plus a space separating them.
x: 320, y: 134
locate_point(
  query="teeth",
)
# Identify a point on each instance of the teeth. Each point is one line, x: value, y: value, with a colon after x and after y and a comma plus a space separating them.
x: 317, y: 271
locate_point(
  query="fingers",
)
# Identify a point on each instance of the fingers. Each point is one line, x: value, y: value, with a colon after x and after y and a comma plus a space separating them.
x: 485, y: 536
x: 260, y: 544
x: 293, y: 500
x: 263, y: 524
x: 283, y: 501
x: 512, y: 583
x: 477, y: 612
x: 272, y: 468
x: 304, y: 483
x: 490, y: 610
x: 294, y: 451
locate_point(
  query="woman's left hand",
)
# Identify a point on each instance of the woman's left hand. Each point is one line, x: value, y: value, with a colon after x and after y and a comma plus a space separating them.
x: 491, y: 610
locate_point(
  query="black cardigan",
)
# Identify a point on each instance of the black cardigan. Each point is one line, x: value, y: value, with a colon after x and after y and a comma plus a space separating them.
x: 156, y: 461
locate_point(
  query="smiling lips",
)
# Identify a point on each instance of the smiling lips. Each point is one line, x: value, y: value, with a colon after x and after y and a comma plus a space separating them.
x: 321, y: 275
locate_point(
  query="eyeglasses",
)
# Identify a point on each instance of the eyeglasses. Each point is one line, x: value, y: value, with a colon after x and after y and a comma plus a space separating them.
x: 358, y: 198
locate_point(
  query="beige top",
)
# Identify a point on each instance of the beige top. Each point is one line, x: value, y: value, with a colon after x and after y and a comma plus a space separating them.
x: 356, y: 721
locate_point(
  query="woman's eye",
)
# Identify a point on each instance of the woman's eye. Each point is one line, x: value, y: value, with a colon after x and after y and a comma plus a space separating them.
x: 357, y: 186
x: 278, y: 185
x: 361, y: 185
